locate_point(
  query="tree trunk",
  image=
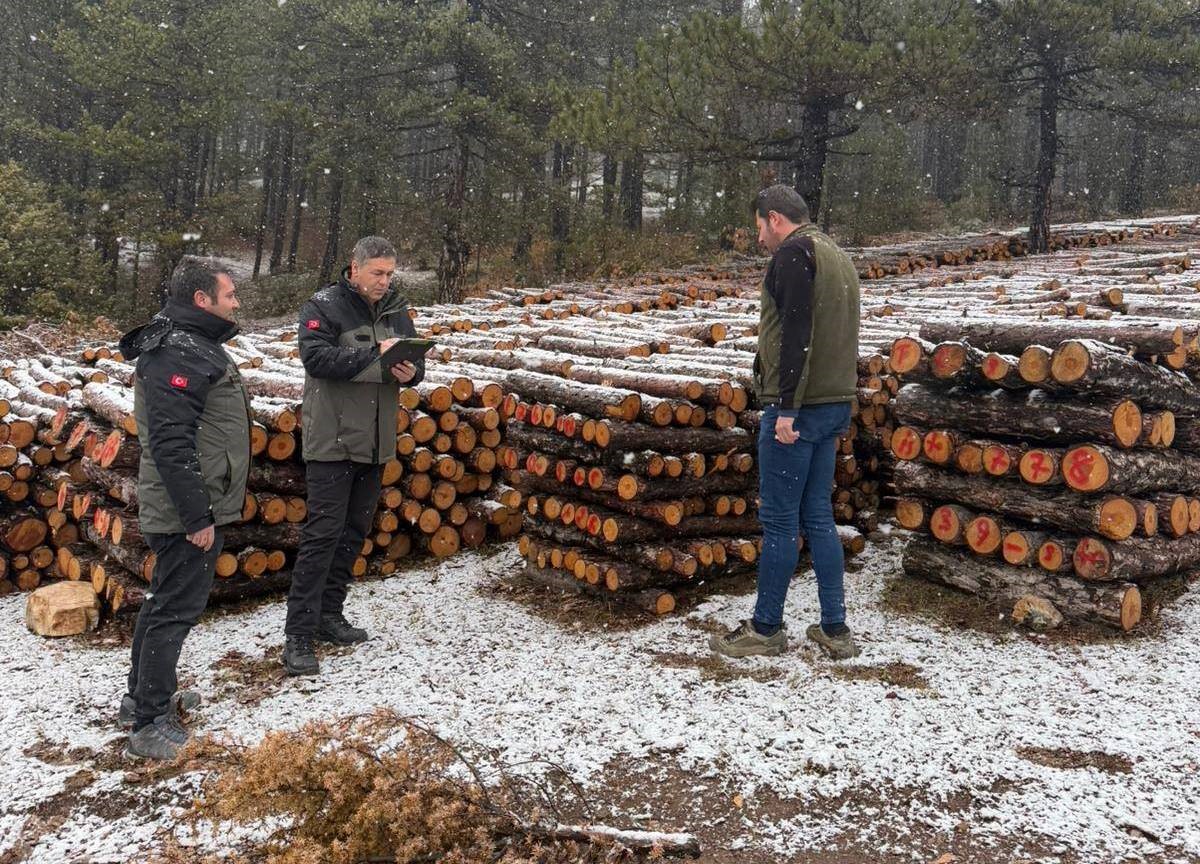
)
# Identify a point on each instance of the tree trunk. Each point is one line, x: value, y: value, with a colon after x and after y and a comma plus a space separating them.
x: 809, y: 167
x: 333, y: 234
x: 1039, y: 216
x: 1134, y: 186
x: 456, y: 252
x: 560, y: 202
x: 268, y: 188
x: 1013, y: 335
x: 286, y: 154
x: 1094, y: 367
x: 1033, y: 415
x: 297, y: 209
x: 632, y: 181
x: 609, y: 183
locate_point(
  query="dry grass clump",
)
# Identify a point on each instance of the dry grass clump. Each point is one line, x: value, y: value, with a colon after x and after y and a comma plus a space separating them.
x: 379, y: 788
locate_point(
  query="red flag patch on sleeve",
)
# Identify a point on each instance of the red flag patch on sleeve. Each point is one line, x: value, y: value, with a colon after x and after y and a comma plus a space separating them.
x: 313, y: 324
x: 179, y: 381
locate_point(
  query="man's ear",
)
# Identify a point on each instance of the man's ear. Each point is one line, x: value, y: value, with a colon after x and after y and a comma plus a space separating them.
x: 201, y: 299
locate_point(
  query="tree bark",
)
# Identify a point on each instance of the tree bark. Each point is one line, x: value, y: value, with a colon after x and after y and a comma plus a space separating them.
x: 333, y: 232
x: 1092, y: 367
x: 1114, y: 606
x: 1033, y: 415
x: 1013, y: 335
x: 270, y: 155
x: 1111, y: 516
x: 283, y: 191
x: 1039, y: 216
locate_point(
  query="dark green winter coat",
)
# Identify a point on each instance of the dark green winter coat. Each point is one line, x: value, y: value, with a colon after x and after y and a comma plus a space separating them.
x: 193, y: 419
x: 350, y: 402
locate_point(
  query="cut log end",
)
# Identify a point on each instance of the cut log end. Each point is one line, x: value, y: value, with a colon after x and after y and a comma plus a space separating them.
x: 906, y: 443
x: 1038, y: 467
x: 1070, y: 362
x: 906, y: 355
x: 1085, y: 469
x: 1034, y: 364
x: 1118, y: 518
x: 983, y: 535
x: 1131, y: 608
x: 1127, y: 423
x: 910, y: 513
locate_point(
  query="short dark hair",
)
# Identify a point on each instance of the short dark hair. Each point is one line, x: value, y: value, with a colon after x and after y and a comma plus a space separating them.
x: 372, y: 247
x: 192, y: 275
x: 784, y: 200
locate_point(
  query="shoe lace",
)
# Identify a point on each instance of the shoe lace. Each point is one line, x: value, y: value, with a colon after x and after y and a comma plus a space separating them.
x: 303, y: 644
x: 171, y: 728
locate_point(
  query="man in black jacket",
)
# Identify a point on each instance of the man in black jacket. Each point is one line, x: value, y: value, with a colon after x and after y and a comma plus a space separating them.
x: 193, y: 418
x: 349, y: 432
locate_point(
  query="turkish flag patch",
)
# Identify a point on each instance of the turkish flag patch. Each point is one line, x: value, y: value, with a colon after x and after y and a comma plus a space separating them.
x: 313, y: 324
x: 179, y: 381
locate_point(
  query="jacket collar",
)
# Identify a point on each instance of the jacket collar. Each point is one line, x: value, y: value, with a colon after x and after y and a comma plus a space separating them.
x: 176, y: 316
x: 189, y: 317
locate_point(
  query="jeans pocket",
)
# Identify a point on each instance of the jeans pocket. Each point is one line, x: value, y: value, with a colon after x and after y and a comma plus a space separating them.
x: 816, y: 423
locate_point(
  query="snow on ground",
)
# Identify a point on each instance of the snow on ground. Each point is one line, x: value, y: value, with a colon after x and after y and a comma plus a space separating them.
x: 487, y: 669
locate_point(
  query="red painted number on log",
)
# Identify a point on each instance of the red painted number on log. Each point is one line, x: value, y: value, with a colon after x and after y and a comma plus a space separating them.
x: 999, y: 461
x: 1014, y: 547
x: 1038, y: 467
x: 1080, y: 468
x: 907, y: 445
x: 982, y: 531
x: 946, y: 524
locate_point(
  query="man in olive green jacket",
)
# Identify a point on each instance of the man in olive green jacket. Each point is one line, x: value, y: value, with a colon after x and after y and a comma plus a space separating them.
x: 193, y: 419
x: 805, y: 376
x: 349, y: 432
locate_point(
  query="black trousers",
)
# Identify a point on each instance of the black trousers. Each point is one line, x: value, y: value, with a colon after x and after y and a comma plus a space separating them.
x: 179, y: 589
x: 342, y: 497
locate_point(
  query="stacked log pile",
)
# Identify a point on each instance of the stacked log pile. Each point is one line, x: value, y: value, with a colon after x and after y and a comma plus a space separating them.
x: 1066, y: 478
x: 71, y: 452
x: 616, y: 420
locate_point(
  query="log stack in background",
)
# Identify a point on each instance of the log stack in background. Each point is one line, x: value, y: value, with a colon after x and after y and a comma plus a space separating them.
x: 71, y: 451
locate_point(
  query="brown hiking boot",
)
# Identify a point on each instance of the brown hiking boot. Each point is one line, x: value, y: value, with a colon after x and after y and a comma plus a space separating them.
x: 744, y: 641
x: 838, y: 647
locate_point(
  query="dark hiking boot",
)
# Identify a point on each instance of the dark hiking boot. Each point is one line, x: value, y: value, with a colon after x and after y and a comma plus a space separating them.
x: 161, y: 740
x: 339, y: 631
x: 183, y: 703
x: 298, y: 656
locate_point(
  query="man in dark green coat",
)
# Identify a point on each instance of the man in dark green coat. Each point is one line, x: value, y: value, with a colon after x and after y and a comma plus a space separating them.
x: 193, y: 419
x: 349, y: 432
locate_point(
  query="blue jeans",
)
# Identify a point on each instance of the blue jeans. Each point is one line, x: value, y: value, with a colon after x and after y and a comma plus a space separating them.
x: 795, y: 483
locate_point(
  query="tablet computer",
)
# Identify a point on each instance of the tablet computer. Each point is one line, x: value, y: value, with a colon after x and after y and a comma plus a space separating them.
x: 410, y: 350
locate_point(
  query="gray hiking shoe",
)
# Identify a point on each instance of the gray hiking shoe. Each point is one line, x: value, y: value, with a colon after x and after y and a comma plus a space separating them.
x: 838, y: 647
x: 745, y: 640
x: 161, y: 740
x: 183, y: 702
